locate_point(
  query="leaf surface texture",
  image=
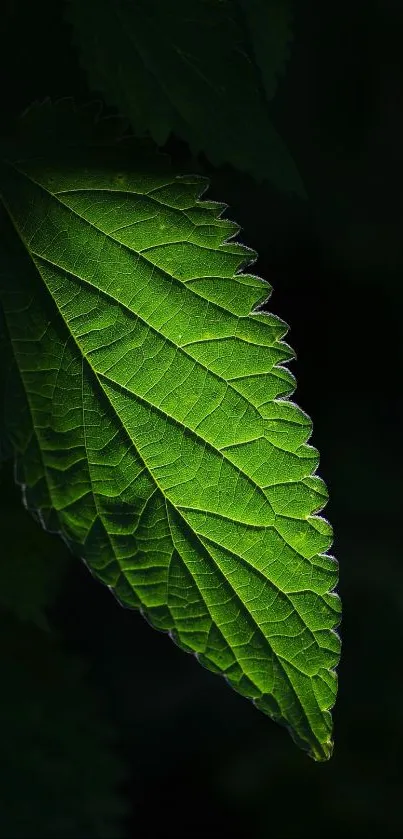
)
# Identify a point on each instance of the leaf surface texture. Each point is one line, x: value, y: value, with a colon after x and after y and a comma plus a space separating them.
x: 152, y: 426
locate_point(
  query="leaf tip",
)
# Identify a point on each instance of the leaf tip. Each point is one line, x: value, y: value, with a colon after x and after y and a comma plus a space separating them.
x: 322, y: 752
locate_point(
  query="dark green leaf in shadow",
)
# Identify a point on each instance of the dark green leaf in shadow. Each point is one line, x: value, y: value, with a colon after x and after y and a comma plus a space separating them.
x: 186, y: 67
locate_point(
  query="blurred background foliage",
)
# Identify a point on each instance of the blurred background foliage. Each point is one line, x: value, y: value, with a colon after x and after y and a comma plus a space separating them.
x: 108, y: 729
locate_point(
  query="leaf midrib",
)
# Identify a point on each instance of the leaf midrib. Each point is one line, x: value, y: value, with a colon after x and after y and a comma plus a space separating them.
x: 250, y: 256
x: 243, y: 607
x: 97, y: 376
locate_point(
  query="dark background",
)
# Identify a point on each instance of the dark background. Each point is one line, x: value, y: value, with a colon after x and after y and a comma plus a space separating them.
x: 109, y: 730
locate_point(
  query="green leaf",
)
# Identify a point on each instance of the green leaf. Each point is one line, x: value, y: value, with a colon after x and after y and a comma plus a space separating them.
x: 152, y: 426
x: 185, y: 67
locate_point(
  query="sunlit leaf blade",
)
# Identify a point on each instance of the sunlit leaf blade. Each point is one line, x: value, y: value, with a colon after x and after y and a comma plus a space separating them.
x: 187, y: 68
x: 152, y: 427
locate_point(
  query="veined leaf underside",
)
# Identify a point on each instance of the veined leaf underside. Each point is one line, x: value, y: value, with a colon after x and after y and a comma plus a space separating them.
x: 156, y: 433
